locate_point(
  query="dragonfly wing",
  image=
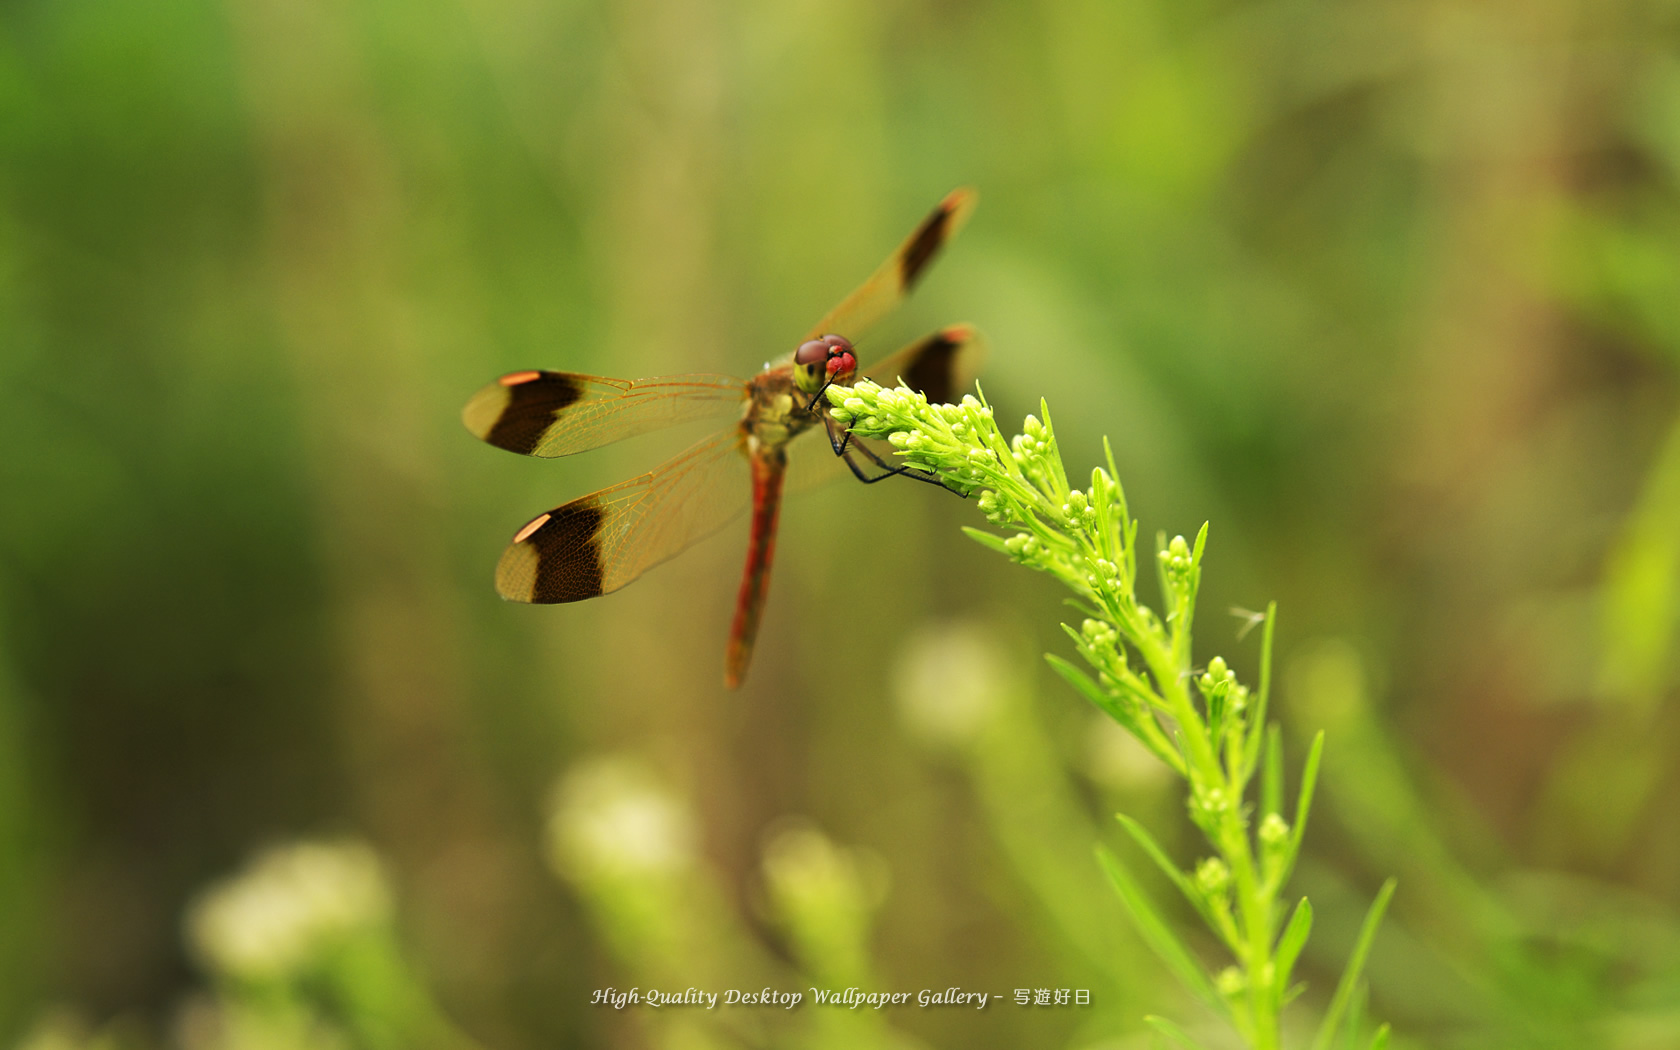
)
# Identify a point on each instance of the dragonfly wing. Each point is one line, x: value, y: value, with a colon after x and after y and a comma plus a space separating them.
x: 942, y: 365
x: 558, y: 413
x: 600, y: 542
x: 889, y: 284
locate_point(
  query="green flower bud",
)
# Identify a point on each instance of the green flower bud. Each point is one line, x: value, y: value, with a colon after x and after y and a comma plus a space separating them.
x: 1218, y: 678
x: 1098, y: 635
x: 1213, y: 878
x: 1231, y: 982
x: 1274, y: 831
x: 1176, y: 557
x: 1210, y: 802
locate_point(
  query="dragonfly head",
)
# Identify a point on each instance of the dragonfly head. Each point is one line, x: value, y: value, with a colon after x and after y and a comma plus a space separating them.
x: 820, y: 362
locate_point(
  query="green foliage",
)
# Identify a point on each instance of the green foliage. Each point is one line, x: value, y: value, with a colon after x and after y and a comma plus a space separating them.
x: 1088, y: 541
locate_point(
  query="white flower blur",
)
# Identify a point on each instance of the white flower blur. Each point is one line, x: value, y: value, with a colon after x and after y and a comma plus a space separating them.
x: 613, y: 819
x: 805, y: 870
x: 289, y: 904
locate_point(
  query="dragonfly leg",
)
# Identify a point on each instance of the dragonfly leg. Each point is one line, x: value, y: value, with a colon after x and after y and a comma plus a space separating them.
x: 888, y: 469
x: 839, y: 438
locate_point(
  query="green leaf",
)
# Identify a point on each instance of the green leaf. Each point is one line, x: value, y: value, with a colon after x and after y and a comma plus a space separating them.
x: 1258, y: 719
x: 1356, y: 1014
x: 1294, y: 937
x: 1640, y: 597
x: 1084, y: 609
x: 1165, y: 863
x: 1303, y: 806
x: 1172, y: 1031
x: 1271, y: 775
x: 1159, y: 936
x: 1149, y: 735
x: 1356, y: 963
x: 1093, y: 692
x: 1058, y: 470
x: 986, y: 539
x: 1380, y: 1040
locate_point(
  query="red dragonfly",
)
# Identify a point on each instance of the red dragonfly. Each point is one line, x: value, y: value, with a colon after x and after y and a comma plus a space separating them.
x: 600, y: 542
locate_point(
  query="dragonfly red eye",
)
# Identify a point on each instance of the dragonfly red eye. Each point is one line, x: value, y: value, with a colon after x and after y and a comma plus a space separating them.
x: 841, y: 361
x: 814, y: 352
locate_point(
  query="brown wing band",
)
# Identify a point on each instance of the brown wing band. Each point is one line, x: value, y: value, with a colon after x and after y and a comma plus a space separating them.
x: 562, y: 556
x: 533, y: 400
x: 929, y: 237
x: 932, y: 368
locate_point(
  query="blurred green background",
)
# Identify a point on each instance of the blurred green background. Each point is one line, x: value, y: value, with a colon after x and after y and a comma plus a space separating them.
x: 1389, y: 292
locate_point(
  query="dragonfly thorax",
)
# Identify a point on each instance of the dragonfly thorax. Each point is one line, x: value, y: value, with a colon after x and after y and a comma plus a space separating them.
x: 776, y: 410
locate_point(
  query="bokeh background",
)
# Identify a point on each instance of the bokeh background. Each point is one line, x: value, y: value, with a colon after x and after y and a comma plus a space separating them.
x: 1388, y: 292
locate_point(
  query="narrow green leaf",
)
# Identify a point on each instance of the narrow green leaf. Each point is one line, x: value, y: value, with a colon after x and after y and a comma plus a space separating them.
x: 1147, y: 843
x: 1172, y: 1031
x: 1356, y: 1014
x: 1148, y: 735
x: 1128, y: 528
x: 1356, y: 964
x: 1303, y: 806
x: 1159, y: 936
x: 1093, y: 692
x: 1084, y: 609
x: 1057, y: 465
x: 1271, y: 775
x: 1200, y: 545
x: 1161, y: 572
x: 986, y: 539
x: 1294, y: 937
x: 1380, y: 1040
x: 1258, y: 719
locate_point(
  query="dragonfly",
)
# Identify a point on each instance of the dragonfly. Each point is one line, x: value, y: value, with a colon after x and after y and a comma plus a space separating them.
x: 598, y: 543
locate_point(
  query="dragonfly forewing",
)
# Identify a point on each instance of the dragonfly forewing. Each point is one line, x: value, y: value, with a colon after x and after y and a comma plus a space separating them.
x: 550, y: 414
